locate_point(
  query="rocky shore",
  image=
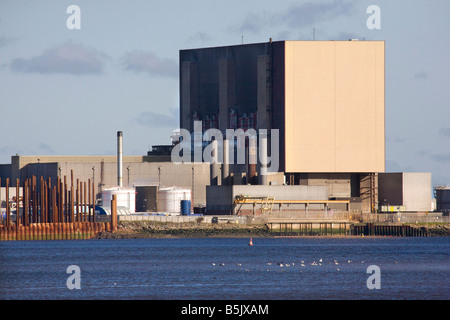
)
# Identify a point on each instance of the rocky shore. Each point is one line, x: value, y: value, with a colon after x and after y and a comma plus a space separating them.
x: 435, y: 230
x: 152, y: 229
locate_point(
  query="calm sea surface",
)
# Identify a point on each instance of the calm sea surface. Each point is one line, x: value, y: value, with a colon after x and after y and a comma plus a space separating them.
x: 227, y: 268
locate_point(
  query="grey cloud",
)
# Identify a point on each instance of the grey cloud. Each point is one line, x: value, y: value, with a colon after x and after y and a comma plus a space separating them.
x: 68, y: 58
x: 150, y: 63
x: 423, y: 153
x: 156, y: 120
x: 441, y: 157
x: 445, y: 132
x: 199, y: 37
x: 421, y: 75
x: 297, y: 16
x: 4, y: 41
x: 255, y: 22
x: 45, y: 148
x: 309, y: 13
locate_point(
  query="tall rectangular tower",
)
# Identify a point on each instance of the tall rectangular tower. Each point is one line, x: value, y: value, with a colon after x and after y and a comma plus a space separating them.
x: 334, y: 106
x: 325, y: 97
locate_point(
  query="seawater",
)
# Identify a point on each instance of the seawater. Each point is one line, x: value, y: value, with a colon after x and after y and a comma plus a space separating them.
x: 227, y: 268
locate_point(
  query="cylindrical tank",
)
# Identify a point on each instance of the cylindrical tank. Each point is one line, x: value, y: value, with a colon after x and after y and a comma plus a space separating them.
x: 185, y: 207
x: 125, y: 198
x: 169, y: 199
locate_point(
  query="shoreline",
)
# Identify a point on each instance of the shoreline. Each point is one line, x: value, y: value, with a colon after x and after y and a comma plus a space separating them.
x: 162, y: 230
x: 155, y: 230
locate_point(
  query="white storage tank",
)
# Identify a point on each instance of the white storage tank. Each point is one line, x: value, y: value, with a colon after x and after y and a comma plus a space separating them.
x: 125, y: 198
x: 169, y: 199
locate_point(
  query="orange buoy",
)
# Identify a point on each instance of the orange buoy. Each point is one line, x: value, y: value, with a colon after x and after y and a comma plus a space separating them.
x: 251, y: 242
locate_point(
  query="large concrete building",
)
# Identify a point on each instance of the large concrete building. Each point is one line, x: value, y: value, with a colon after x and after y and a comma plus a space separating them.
x: 326, y: 98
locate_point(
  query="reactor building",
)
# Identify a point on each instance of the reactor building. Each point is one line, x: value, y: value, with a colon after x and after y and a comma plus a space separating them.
x: 326, y: 99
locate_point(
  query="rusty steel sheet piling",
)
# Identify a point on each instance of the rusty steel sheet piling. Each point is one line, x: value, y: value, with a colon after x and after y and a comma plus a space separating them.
x: 52, y: 210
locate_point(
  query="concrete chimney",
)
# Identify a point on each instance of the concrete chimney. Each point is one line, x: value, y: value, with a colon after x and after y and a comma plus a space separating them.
x: 263, y: 159
x: 252, y: 160
x: 119, y: 158
x: 215, y: 167
x: 226, y: 163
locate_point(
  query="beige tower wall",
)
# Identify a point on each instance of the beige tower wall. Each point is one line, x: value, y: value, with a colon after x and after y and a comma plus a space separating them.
x: 334, y: 109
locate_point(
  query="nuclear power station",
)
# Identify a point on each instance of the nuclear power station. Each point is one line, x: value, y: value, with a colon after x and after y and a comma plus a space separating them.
x: 286, y: 126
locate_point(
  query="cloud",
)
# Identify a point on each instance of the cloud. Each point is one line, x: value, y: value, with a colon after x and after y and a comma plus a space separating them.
x: 445, y: 132
x: 4, y: 41
x: 156, y: 120
x: 297, y: 16
x: 421, y: 75
x: 423, y: 153
x: 441, y: 157
x: 67, y: 58
x: 45, y: 149
x: 307, y: 14
x: 199, y: 37
x: 149, y: 62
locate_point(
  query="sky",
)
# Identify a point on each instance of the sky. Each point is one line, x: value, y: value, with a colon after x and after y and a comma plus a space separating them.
x: 66, y: 91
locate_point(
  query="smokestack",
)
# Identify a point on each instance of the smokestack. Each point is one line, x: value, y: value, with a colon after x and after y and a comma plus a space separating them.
x: 252, y: 159
x: 215, y: 167
x: 226, y: 163
x: 119, y: 158
x: 263, y: 159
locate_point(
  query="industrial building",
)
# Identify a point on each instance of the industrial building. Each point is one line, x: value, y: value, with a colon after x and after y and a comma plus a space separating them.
x: 326, y: 98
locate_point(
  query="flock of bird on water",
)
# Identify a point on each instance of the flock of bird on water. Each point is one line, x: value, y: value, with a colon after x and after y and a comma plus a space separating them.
x: 302, y: 262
